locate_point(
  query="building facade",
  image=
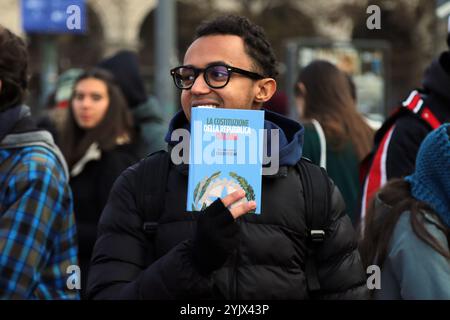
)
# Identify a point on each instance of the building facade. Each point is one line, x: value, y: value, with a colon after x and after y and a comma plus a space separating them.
x: 411, y: 27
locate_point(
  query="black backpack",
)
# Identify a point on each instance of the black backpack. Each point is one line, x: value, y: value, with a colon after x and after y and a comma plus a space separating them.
x: 154, y: 173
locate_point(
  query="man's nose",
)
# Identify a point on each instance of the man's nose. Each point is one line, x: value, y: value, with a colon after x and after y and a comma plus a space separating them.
x: 200, y: 86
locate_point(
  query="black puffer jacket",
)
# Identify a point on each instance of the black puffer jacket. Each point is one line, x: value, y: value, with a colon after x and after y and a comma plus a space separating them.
x: 268, y: 263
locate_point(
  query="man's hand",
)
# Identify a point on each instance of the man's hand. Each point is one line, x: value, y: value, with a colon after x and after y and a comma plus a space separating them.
x: 217, y: 233
x: 240, y: 210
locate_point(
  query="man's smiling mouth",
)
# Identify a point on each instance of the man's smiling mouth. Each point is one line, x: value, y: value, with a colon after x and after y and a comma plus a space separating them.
x: 205, y: 106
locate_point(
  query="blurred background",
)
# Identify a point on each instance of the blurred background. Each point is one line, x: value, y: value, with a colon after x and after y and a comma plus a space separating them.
x: 385, y: 63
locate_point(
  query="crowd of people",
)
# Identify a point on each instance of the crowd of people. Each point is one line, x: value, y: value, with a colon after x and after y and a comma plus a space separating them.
x: 92, y: 184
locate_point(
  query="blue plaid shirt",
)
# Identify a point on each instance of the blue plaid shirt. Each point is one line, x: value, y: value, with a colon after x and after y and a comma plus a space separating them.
x: 37, y: 226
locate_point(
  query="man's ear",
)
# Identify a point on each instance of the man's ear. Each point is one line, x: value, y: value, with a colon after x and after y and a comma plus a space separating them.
x: 265, y: 90
x: 0, y: 86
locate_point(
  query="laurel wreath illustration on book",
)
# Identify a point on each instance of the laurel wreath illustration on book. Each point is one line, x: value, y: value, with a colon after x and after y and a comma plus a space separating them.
x: 200, y: 190
x: 213, y: 187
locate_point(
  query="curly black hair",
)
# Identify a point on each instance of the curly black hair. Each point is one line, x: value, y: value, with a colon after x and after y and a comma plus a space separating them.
x: 13, y: 69
x: 255, y: 41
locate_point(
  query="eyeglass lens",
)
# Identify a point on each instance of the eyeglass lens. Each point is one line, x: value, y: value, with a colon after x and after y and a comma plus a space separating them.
x: 215, y: 76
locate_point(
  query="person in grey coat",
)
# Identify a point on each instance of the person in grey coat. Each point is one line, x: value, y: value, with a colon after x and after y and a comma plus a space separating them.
x: 407, y: 228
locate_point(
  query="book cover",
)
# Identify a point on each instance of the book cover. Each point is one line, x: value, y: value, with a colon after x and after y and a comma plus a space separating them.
x: 226, y: 148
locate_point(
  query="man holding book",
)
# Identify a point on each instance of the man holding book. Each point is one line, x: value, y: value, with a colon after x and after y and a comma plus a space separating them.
x: 222, y: 251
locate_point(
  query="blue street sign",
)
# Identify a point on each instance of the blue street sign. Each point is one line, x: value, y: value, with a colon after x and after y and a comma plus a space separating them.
x: 54, y: 16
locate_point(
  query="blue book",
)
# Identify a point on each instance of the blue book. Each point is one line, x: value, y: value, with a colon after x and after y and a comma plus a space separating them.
x: 226, y: 154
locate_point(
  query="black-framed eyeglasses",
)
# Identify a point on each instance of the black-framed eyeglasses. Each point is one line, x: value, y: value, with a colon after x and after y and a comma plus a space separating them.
x: 216, y: 75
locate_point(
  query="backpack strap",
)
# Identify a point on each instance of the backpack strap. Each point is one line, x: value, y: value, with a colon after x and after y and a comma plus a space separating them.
x: 317, y: 193
x: 152, y: 187
x: 415, y: 104
x: 322, y: 142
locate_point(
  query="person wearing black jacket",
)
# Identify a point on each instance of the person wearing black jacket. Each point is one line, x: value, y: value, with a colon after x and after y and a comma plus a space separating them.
x: 97, y: 142
x: 410, y: 130
x: 397, y: 141
x: 223, y: 252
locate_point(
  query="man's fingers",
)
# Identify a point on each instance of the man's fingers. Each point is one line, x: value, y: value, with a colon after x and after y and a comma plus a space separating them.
x: 233, y: 197
x: 242, y: 209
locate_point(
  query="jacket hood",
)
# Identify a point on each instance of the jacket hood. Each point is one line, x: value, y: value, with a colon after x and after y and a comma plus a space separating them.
x: 23, y: 133
x: 437, y: 77
x: 290, y: 135
x: 124, y: 66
